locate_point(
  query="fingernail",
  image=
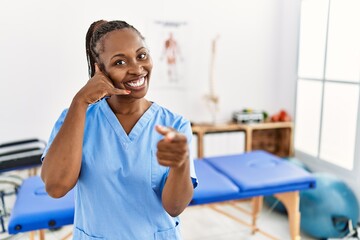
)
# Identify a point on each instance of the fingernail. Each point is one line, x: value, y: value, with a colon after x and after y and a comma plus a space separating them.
x: 127, y: 91
x: 170, y: 135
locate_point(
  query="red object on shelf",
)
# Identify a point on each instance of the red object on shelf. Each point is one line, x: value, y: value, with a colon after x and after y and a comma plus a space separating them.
x: 281, y: 116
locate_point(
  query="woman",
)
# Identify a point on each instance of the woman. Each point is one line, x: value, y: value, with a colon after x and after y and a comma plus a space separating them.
x: 128, y: 158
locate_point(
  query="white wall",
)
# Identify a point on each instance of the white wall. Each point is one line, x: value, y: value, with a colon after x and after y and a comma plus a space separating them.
x: 43, y: 63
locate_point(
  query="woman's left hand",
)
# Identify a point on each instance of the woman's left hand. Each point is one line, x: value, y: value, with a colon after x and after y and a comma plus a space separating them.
x: 173, y: 150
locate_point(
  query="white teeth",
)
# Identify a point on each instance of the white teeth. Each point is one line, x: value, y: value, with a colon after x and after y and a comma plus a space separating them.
x: 136, y: 83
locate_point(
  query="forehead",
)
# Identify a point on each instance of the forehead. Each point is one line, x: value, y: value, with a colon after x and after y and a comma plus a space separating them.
x: 121, y: 41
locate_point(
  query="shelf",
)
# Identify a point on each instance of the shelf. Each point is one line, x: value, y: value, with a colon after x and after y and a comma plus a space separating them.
x: 274, y: 137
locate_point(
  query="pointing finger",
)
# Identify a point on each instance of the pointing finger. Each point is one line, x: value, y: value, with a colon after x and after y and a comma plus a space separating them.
x: 162, y: 130
x: 170, y: 134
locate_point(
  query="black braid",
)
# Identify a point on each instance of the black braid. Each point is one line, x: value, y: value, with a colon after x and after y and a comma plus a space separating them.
x: 96, y: 31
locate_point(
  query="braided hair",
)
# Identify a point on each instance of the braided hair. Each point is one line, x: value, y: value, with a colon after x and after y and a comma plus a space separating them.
x: 96, y: 31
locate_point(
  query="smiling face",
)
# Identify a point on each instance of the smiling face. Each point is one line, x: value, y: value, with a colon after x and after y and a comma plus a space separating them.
x: 125, y: 59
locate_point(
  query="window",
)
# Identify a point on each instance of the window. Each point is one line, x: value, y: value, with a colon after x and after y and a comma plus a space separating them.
x: 327, y: 102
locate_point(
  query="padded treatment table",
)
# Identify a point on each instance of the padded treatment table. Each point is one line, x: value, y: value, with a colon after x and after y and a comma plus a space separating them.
x: 221, y: 179
x: 17, y: 155
x: 252, y: 175
x: 34, y: 209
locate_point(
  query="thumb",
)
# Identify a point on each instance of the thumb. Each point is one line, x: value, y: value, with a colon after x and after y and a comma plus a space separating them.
x: 168, y: 133
x: 97, y: 69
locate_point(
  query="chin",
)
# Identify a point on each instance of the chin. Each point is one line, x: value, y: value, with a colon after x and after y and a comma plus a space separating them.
x: 139, y: 94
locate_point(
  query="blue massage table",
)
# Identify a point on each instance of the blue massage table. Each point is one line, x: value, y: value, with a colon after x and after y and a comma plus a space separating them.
x: 35, y: 210
x: 16, y: 155
x: 221, y: 179
x: 252, y: 175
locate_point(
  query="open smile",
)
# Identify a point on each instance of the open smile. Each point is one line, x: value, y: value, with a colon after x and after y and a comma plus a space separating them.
x: 136, y: 84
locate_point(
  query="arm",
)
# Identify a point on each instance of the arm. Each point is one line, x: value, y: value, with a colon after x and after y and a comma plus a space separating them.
x: 173, y: 152
x: 62, y: 163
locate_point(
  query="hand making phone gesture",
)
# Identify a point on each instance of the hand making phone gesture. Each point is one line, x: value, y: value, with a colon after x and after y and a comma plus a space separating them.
x: 67, y: 146
x: 98, y: 87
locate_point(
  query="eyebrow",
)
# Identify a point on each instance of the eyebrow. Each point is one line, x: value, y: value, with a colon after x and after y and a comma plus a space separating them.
x: 123, y: 55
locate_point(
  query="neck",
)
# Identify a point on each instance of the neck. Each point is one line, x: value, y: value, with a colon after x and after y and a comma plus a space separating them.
x: 122, y: 106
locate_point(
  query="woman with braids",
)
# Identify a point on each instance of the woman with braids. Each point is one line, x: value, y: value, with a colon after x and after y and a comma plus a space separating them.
x: 126, y: 157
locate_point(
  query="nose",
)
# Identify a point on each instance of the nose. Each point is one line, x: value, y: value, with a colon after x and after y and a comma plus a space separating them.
x: 136, y: 68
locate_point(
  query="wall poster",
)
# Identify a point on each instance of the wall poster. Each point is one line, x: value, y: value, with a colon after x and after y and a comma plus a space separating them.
x: 168, y: 48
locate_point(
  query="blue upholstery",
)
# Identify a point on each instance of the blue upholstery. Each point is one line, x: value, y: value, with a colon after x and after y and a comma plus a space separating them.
x: 214, y: 186
x: 34, y: 209
x: 256, y: 173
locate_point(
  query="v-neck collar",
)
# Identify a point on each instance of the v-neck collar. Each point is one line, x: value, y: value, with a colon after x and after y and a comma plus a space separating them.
x: 138, y: 127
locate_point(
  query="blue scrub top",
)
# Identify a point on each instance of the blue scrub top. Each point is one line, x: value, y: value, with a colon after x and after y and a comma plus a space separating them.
x: 118, y: 193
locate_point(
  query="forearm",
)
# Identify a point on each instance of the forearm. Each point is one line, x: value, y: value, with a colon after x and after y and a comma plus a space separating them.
x: 62, y: 163
x: 178, y: 190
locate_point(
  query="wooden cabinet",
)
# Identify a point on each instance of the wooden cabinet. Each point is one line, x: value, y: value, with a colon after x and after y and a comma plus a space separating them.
x: 274, y: 137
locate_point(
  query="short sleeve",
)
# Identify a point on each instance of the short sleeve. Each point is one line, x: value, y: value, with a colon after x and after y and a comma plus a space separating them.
x: 54, y: 132
x: 186, y: 129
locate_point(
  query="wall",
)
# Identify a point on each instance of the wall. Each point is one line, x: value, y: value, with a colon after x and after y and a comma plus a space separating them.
x: 43, y: 64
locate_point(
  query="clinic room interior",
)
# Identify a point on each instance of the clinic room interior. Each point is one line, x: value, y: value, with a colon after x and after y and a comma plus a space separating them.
x: 270, y: 89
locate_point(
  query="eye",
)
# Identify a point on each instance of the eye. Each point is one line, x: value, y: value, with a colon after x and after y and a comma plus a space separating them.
x: 120, y: 62
x: 143, y: 55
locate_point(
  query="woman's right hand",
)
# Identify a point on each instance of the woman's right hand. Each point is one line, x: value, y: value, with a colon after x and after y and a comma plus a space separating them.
x: 98, y: 87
